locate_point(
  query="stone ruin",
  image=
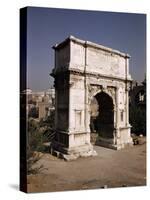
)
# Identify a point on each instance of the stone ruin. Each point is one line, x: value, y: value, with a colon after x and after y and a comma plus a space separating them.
x: 85, y: 71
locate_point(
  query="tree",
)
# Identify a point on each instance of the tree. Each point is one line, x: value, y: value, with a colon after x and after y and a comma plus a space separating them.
x: 137, y: 117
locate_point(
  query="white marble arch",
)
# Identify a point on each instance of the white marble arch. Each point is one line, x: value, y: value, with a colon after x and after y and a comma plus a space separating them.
x: 82, y: 70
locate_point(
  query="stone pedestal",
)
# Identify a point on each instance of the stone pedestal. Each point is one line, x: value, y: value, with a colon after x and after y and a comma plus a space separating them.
x: 73, y: 146
x: 120, y: 141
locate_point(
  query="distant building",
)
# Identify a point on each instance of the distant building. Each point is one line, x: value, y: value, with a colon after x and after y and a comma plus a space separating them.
x: 138, y: 95
x: 39, y: 104
x: 44, y: 102
x: 138, y: 108
x: 45, y: 106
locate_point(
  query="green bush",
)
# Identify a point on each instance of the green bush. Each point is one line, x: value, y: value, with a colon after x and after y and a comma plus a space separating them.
x: 38, y: 133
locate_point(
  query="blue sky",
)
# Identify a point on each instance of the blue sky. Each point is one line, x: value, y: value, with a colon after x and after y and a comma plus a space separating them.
x: 125, y: 32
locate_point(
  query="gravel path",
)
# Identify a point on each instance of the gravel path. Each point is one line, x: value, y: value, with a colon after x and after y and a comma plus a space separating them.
x: 109, y: 169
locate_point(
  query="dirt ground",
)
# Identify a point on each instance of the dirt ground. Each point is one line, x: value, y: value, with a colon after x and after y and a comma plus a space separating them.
x: 110, y: 168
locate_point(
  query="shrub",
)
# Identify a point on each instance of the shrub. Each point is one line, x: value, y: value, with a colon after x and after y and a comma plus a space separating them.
x: 38, y: 133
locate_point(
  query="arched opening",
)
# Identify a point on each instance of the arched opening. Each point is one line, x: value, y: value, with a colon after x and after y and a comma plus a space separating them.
x: 102, y: 115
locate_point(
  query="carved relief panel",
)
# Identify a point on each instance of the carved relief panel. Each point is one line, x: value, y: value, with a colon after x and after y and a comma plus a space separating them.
x: 94, y: 89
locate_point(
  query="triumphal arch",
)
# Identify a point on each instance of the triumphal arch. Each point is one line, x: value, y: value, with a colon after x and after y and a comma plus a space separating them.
x: 86, y: 72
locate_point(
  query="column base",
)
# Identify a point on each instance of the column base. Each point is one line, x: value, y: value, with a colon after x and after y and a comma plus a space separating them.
x: 72, y: 153
x: 115, y: 143
x: 107, y: 142
x: 103, y: 143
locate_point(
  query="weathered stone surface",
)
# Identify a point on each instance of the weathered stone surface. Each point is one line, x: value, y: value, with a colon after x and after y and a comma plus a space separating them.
x: 70, y: 157
x: 83, y: 71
